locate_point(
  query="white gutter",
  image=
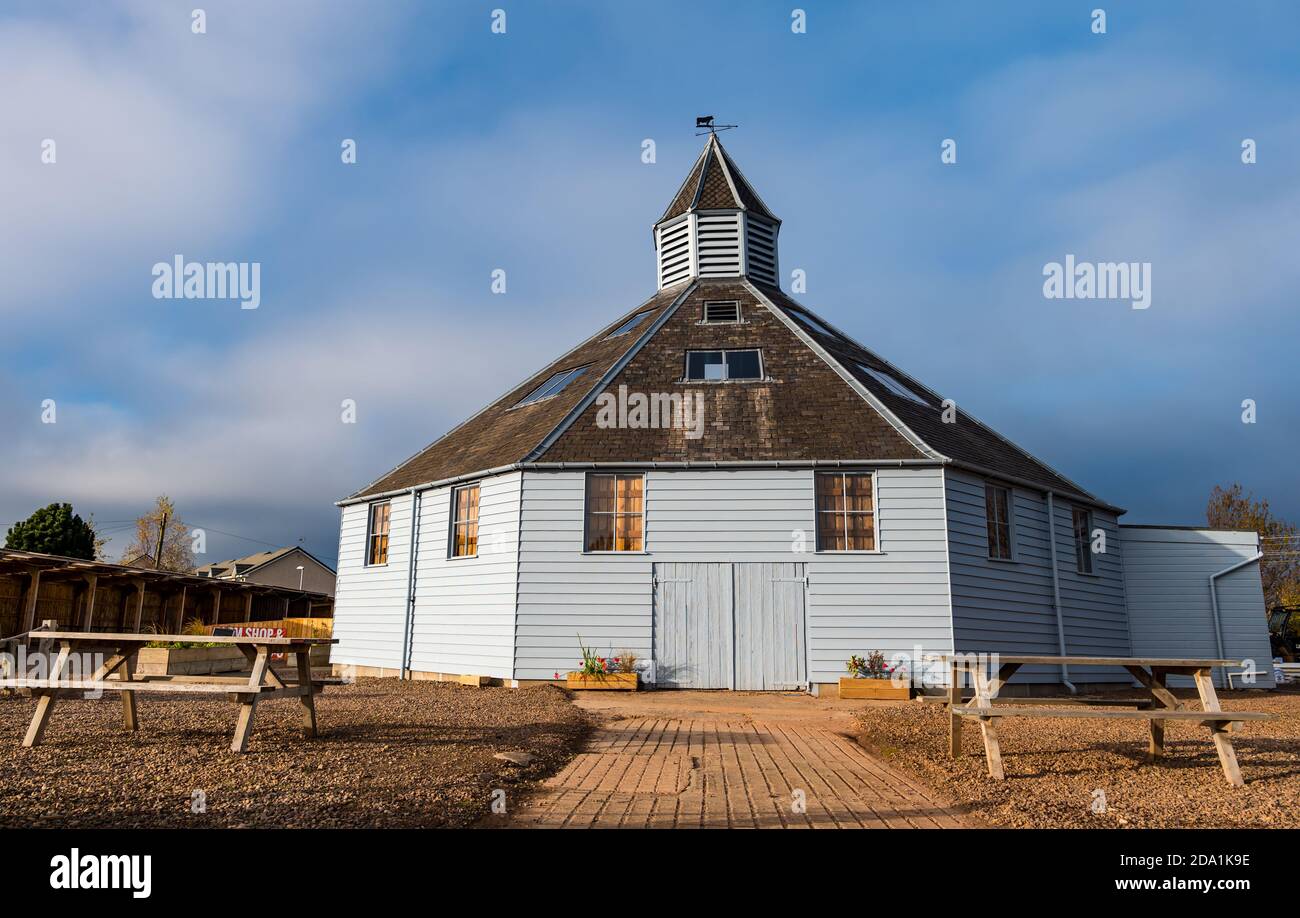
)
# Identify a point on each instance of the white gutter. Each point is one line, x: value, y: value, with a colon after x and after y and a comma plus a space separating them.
x: 1056, y: 594
x: 1214, y: 598
x: 692, y: 464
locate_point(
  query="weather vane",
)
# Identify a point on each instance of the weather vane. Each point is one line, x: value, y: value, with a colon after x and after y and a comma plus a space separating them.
x: 706, y: 122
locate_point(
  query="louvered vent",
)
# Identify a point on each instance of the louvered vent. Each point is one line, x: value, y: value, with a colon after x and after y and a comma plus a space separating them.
x: 760, y: 250
x: 719, y: 244
x: 675, y: 252
x: 721, y: 312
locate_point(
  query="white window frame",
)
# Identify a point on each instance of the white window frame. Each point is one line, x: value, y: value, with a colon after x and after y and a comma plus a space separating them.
x: 875, y: 514
x: 1011, y: 522
x: 451, y: 522
x: 762, y: 366
x: 370, y: 533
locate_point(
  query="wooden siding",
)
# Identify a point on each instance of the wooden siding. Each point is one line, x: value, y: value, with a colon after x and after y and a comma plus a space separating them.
x: 465, y: 607
x: 370, y: 602
x: 1007, y: 606
x: 1167, y: 572
x: 889, y: 600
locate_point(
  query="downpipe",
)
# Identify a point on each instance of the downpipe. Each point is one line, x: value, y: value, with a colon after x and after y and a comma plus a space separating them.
x: 1056, y: 595
x: 1214, y: 598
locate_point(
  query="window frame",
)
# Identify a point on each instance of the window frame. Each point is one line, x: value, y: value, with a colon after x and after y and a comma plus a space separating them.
x: 1010, y: 521
x: 704, y: 313
x: 762, y: 366
x: 893, y: 385
x: 371, y: 534
x: 587, y: 514
x: 453, y: 522
x: 874, y: 513
x: 1082, y: 551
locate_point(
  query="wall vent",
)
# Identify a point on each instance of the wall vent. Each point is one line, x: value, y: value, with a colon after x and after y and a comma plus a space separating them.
x: 718, y: 237
x: 675, y: 244
x: 760, y: 250
x: 721, y: 312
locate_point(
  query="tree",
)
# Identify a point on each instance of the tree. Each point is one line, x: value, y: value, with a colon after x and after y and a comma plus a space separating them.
x: 161, y: 522
x: 54, y: 530
x: 1233, y: 508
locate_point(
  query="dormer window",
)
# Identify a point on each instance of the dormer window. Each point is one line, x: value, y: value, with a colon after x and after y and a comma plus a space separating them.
x: 721, y: 312
x: 720, y: 366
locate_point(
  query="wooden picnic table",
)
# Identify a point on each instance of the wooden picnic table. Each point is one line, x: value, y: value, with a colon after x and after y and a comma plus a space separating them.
x: 116, y: 673
x: 1158, y: 706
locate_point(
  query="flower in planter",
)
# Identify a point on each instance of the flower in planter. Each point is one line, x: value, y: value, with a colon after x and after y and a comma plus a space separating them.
x: 872, y: 667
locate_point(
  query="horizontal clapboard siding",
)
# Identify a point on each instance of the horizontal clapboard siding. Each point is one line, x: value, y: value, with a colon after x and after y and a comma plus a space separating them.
x: 1167, y: 572
x: 856, y: 602
x: 370, y: 602
x: 465, y: 607
x: 893, y: 601
x: 1007, y: 606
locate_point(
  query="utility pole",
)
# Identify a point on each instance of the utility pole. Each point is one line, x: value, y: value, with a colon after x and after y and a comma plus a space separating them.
x: 162, y: 531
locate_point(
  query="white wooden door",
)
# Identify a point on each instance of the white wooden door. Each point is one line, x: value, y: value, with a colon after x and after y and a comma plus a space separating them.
x: 724, y: 625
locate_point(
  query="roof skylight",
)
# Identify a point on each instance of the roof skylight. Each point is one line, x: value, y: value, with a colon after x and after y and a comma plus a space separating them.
x: 814, y: 324
x: 552, y: 386
x: 629, y: 324
x: 892, y: 384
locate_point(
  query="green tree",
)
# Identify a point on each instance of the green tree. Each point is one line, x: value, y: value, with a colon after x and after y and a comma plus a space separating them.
x: 55, y: 530
x: 1234, y: 508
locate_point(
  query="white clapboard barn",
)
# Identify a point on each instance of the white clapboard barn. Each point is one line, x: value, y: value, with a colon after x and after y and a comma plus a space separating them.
x: 730, y: 487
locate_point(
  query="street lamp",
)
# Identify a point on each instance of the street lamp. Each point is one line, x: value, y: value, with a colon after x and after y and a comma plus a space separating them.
x: 300, y: 576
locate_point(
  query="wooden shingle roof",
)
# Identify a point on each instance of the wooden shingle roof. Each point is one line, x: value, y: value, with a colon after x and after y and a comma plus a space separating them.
x: 816, y: 403
x: 715, y: 182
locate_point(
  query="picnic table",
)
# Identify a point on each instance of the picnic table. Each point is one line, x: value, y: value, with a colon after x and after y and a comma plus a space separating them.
x: 116, y: 673
x: 1157, y: 706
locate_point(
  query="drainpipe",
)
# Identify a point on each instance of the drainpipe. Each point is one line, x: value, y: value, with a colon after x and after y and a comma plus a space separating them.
x: 1214, y: 598
x: 408, y: 623
x: 1056, y: 594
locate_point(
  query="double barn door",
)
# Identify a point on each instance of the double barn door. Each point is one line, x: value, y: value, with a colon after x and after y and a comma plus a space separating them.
x: 730, y: 625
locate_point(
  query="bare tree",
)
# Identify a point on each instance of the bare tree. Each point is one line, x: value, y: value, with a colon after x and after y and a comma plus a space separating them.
x: 161, y: 540
x: 1234, y: 508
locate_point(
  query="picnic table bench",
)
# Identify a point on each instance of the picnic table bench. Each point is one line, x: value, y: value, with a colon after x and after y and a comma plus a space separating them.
x: 1159, y: 706
x: 116, y: 673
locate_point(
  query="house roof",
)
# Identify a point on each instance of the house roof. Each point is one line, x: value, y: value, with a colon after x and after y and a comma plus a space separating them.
x: 254, y: 561
x: 967, y: 440
x: 715, y: 182
x: 823, y: 397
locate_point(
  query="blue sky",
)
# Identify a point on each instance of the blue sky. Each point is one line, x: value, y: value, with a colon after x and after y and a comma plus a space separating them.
x: 522, y: 151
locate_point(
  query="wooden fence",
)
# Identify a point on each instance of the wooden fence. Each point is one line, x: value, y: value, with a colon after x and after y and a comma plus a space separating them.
x: 293, y: 627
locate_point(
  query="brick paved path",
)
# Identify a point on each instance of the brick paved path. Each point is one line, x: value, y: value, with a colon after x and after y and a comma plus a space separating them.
x: 729, y: 773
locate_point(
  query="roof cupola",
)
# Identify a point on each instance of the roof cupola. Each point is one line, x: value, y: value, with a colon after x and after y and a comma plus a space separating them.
x: 716, y: 225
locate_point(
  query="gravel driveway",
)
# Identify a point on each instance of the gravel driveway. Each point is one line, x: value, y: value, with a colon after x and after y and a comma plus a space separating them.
x: 390, y: 754
x: 1055, y: 767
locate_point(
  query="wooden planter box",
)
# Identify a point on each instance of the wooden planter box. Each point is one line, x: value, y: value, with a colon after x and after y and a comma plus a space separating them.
x: 879, y: 689
x: 190, y: 661
x: 623, y: 682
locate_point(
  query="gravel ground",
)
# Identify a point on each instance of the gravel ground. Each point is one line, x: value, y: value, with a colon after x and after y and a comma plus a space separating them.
x: 390, y: 754
x: 1054, y: 766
